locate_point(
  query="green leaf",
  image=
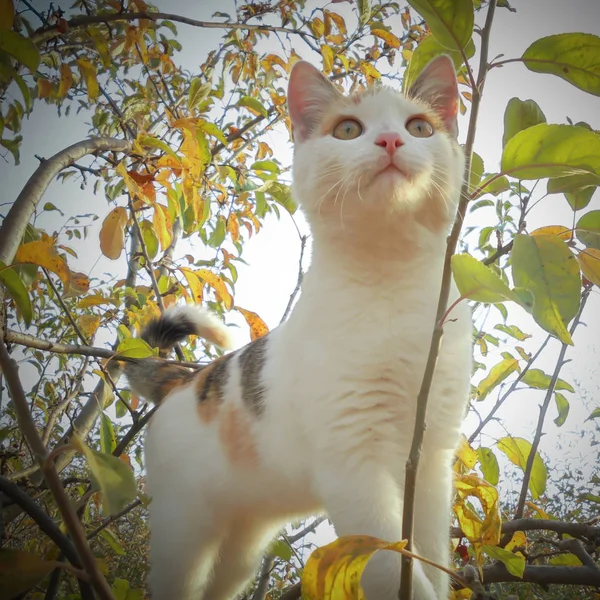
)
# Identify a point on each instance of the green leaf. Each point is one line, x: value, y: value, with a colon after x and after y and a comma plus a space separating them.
x: 572, y: 183
x: 520, y: 115
x: 265, y: 165
x: 364, y: 11
x: 112, y: 540
x: 587, y: 229
x: 517, y: 450
x: 513, y: 331
x: 122, y: 591
x: 514, y: 563
x: 218, y: 235
x: 595, y: 414
x: 21, y: 48
x: 562, y: 405
x: 135, y: 348
x: 498, y: 373
x: 150, y: 238
x: 581, y: 198
x: 545, y: 266
x: 17, y: 291
x: 451, y: 22
x: 426, y: 51
x: 489, y: 465
x: 575, y: 57
x: 114, y: 478
x: 151, y: 142
x: 281, y: 549
x: 536, y: 378
x: 213, y: 130
x: 13, y: 147
x: 281, y: 193
x: 551, y: 151
x: 478, y: 282
x: 491, y: 184
x: 20, y: 571
x: 108, y: 439
x: 476, y: 174
x: 569, y: 560
x: 254, y: 105
x: 198, y: 91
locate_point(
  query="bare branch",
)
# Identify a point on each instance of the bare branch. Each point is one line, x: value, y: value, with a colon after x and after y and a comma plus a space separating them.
x: 405, y: 592
x: 290, y: 304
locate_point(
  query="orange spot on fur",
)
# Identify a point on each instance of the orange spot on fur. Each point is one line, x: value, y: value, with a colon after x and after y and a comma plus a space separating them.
x: 236, y: 437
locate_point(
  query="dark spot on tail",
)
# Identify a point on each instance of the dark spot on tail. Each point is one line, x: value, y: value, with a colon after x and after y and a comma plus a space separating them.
x: 165, y: 332
x: 252, y: 360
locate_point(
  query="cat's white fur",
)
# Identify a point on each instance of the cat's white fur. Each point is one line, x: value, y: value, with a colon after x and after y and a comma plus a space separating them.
x: 341, y: 376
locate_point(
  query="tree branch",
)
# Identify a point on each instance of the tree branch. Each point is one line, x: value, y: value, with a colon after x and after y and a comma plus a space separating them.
x: 27, y: 425
x: 14, y: 225
x: 544, y: 408
x: 290, y: 304
x: 405, y: 592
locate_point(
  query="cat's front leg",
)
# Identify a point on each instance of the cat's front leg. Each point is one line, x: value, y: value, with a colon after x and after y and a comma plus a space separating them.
x: 368, y: 501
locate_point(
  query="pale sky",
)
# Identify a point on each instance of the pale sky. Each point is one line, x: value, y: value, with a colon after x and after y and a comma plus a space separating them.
x: 265, y: 285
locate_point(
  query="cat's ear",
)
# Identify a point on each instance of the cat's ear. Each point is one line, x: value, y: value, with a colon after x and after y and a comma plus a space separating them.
x: 309, y: 95
x: 437, y: 86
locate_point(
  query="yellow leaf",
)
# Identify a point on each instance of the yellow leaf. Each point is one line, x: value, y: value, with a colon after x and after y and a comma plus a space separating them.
x: 66, y: 80
x: 194, y: 283
x: 328, y: 56
x: 88, y: 325
x: 258, y: 327
x: 88, y: 73
x: 112, y: 234
x: 95, y: 300
x: 589, y: 261
x: 334, y: 571
x: 79, y: 283
x: 233, y: 227
x: 162, y: 225
x: 518, y: 540
x: 44, y: 88
x: 370, y: 71
x: 338, y: 20
x: 43, y: 253
x: 465, y: 454
x: 388, y: 37
x: 479, y: 531
x: 218, y: 285
x: 558, y: 230
x: 540, y: 511
x: 7, y: 14
x: 317, y: 26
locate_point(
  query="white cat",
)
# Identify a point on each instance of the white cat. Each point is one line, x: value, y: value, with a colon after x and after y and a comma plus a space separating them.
x: 319, y: 414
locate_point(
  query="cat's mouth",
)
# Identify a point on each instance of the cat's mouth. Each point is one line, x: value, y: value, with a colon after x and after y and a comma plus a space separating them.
x: 392, y: 169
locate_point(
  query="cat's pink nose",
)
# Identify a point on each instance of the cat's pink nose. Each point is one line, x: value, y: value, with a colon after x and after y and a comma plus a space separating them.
x: 390, y: 141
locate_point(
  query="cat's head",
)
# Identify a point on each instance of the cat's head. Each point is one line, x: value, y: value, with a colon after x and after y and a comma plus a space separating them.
x: 378, y: 153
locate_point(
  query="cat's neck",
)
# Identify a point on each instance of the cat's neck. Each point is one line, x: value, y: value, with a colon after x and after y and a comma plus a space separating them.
x: 367, y: 248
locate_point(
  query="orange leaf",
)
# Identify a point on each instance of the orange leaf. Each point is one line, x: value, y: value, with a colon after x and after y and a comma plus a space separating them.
x: 79, y: 283
x: 258, y: 327
x: 218, y: 285
x: 44, y: 88
x: 43, y: 253
x: 112, y: 234
x: 233, y: 227
x: 388, y: 37
x: 66, y: 80
x: 88, y: 325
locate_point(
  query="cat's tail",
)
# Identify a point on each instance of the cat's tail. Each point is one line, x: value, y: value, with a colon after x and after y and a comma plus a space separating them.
x: 153, y: 379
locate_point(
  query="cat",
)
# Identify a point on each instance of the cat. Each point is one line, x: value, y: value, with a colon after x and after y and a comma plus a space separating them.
x: 318, y: 415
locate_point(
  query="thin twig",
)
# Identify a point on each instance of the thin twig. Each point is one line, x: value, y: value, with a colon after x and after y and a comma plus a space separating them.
x: 405, y: 592
x: 290, y: 304
x: 27, y: 425
x: 544, y: 408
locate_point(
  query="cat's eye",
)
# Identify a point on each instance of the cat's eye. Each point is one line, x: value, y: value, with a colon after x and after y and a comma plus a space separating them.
x: 348, y: 129
x: 419, y: 127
